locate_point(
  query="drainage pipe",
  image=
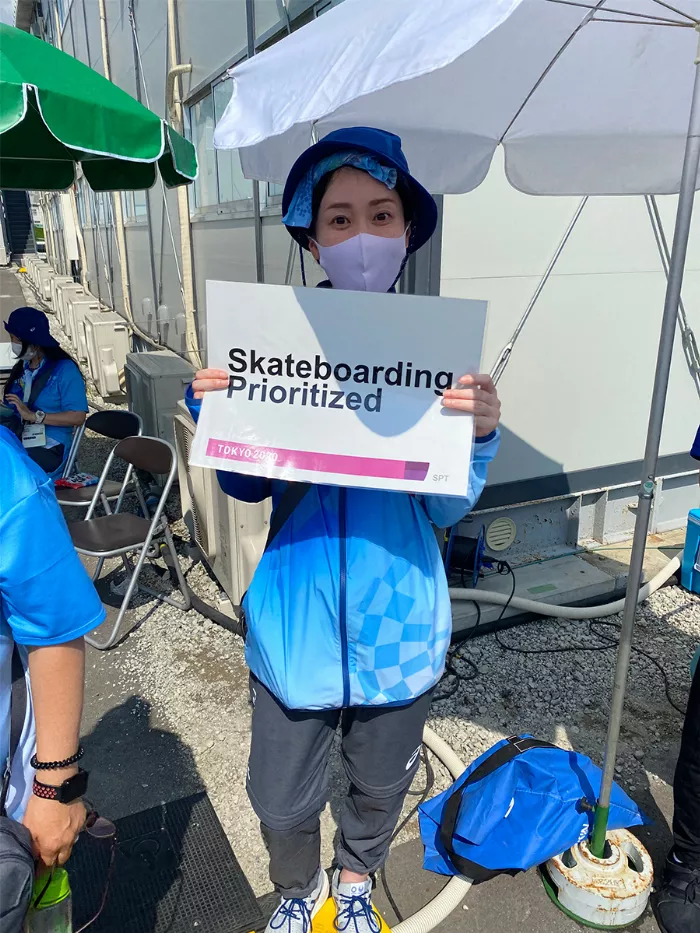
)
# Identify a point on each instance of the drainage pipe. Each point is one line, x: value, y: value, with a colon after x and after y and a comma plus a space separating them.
x: 116, y: 195
x: 567, y: 612
x: 453, y: 893
x: 175, y: 114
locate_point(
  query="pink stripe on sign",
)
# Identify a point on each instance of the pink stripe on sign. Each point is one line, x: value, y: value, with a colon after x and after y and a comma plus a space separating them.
x: 320, y: 463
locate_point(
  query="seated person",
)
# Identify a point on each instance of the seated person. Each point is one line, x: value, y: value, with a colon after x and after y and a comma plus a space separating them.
x: 46, y: 388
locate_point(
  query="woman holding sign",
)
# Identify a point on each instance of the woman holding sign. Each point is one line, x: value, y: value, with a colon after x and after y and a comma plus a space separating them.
x: 348, y: 614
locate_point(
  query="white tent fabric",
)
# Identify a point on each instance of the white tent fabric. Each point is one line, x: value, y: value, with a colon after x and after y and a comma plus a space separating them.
x: 582, y: 105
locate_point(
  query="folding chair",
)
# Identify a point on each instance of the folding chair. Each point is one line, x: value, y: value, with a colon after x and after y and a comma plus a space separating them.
x: 118, y: 534
x: 113, y: 424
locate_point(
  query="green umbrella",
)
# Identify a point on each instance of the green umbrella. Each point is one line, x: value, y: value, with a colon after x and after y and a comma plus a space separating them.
x: 55, y: 111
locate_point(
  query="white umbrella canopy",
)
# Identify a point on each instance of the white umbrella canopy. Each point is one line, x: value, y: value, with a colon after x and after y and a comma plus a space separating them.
x: 586, y: 97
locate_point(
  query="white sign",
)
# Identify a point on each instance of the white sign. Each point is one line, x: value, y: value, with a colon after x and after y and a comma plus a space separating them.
x: 339, y: 387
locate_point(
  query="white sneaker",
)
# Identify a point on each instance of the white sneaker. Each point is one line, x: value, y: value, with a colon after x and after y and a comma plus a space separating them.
x: 294, y: 914
x: 355, y: 912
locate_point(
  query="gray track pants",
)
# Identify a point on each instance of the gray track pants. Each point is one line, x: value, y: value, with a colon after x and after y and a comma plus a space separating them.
x: 287, y: 782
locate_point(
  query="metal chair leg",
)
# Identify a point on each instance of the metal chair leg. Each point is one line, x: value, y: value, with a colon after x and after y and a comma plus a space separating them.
x: 111, y: 641
x: 185, y: 603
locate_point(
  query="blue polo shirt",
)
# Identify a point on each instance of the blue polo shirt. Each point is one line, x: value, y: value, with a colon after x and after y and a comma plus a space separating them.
x: 64, y: 391
x: 46, y: 596
x: 695, y: 449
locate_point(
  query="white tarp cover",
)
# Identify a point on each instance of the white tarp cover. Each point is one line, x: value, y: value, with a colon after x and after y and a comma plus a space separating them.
x: 581, y: 106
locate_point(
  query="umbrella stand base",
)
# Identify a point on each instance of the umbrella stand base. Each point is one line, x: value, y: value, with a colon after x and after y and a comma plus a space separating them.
x: 604, y: 894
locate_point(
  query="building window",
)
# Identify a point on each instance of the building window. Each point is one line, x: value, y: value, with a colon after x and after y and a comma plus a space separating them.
x: 232, y: 184
x: 202, y: 126
x: 325, y: 5
x: 134, y: 205
x: 220, y: 179
x: 63, y: 11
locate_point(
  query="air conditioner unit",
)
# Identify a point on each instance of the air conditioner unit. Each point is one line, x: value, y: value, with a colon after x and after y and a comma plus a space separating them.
x: 35, y: 269
x: 106, y: 339
x: 43, y: 282
x: 77, y: 309
x: 155, y: 383
x: 55, y: 282
x: 64, y: 291
x: 230, y: 534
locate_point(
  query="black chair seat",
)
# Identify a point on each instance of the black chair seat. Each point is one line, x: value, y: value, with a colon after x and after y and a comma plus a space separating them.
x: 83, y: 495
x: 109, y: 533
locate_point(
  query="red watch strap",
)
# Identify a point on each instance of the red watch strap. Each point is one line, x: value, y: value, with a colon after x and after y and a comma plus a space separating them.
x: 47, y: 791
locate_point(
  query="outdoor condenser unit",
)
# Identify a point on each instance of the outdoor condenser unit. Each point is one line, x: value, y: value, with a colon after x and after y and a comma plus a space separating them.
x: 155, y: 383
x: 64, y: 292
x: 107, y: 344
x: 230, y: 534
x: 34, y: 270
x: 78, y: 307
x: 55, y: 282
x: 43, y: 282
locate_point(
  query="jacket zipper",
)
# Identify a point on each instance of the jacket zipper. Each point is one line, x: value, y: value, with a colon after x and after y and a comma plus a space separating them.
x: 343, y: 607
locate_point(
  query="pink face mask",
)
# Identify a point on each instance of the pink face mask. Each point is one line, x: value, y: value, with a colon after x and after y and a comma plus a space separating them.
x: 364, y: 263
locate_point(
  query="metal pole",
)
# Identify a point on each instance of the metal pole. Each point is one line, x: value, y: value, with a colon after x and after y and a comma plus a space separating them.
x: 684, y: 213
x: 257, y: 217
x: 690, y: 346
x: 504, y: 356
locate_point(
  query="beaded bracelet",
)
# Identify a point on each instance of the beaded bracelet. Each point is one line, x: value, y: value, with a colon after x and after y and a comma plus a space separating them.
x: 56, y: 765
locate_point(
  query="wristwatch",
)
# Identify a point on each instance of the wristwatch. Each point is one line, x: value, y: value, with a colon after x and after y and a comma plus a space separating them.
x: 39, y: 417
x: 71, y: 789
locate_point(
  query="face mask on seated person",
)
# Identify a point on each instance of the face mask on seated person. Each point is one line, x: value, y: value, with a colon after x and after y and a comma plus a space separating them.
x: 28, y: 354
x: 364, y: 263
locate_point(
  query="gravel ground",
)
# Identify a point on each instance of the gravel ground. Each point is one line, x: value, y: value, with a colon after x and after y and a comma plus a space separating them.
x: 192, y: 676
x: 194, y: 673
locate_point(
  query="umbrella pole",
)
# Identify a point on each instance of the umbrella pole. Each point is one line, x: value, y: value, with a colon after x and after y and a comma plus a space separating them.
x: 663, y: 366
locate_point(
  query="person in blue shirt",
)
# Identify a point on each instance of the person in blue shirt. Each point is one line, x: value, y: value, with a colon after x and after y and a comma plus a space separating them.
x: 348, y: 613
x: 677, y: 900
x: 47, y: 605
x: 50, y: 415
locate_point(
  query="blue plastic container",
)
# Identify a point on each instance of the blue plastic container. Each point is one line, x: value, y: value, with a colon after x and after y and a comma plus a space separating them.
x: 690, y: 568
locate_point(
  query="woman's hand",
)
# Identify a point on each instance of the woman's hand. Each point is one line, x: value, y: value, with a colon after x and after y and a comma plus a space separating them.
x: 208, y: 380
x: 54, y: 828
x: 26, y: 414
x: 479, y: 398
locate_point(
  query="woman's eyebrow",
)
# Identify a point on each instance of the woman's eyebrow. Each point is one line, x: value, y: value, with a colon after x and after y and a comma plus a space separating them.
x: 341, y: 205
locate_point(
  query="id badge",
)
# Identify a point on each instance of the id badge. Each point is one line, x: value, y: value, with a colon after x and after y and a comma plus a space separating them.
x: 34, y: 435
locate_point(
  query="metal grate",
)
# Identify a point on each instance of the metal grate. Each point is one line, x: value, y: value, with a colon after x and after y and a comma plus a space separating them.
x: 175, y: 872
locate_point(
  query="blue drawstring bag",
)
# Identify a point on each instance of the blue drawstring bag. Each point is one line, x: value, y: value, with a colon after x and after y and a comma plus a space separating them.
x: 516, y: 806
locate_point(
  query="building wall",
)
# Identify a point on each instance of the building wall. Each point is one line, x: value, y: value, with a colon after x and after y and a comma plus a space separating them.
x: 576, y: 392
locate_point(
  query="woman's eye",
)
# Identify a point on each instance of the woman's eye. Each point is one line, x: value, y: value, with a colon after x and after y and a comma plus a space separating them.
x: 339, y: 221
x: 383, y: 216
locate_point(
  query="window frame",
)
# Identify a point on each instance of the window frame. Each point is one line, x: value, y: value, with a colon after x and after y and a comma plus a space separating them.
x: 305, y: 11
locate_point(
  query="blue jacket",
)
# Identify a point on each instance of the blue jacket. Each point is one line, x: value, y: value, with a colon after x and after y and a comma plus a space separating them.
x: 64, y: 391
x: 349, y: 605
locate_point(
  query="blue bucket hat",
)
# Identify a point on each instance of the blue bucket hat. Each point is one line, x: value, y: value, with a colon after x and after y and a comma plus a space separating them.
x: 383, y: 147
x: 30, y: 325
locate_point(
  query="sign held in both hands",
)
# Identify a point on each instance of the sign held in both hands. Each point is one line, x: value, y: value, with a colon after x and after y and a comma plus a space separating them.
x: 339, y: 387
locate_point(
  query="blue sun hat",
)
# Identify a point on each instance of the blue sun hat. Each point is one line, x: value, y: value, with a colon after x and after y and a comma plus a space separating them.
x: 374, y: 151
x: 31, y: 326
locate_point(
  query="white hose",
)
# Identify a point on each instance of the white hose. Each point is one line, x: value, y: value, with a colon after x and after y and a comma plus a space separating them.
x: 452, y: 895
x: 454, y: 891
x: 567, y: 612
